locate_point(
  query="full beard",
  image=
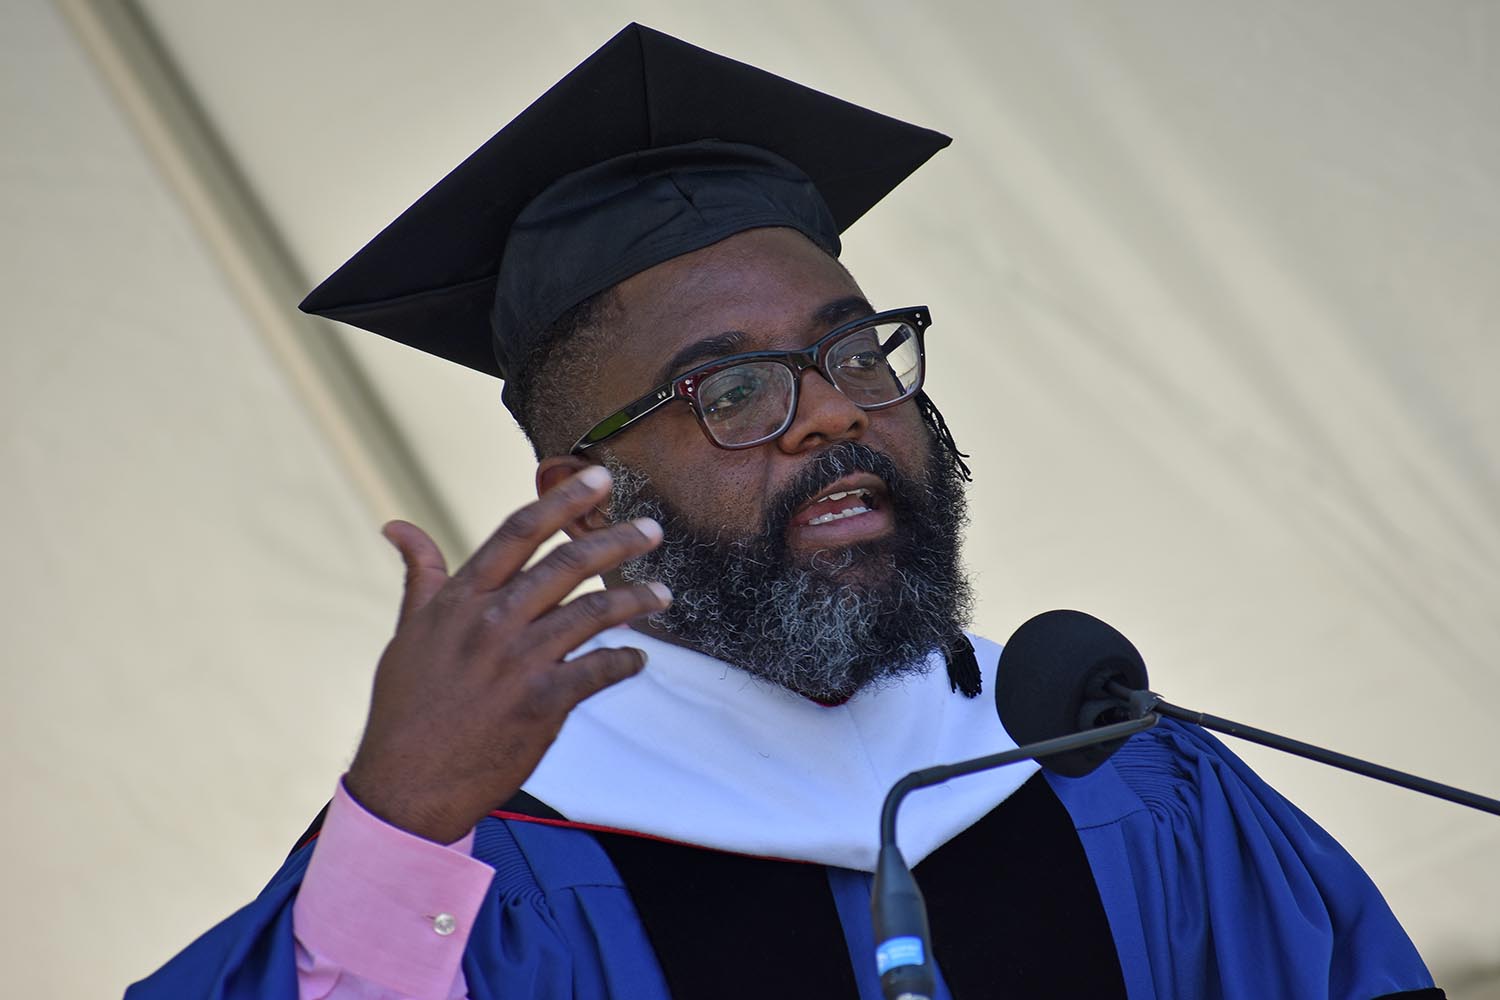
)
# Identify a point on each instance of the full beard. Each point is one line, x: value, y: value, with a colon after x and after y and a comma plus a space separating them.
x: 829, y: 624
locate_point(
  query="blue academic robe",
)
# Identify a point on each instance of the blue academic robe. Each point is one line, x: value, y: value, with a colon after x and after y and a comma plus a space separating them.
x: 1214, y: 886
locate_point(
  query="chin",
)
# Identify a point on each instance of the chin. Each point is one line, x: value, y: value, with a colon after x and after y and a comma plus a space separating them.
x: 866, y: 565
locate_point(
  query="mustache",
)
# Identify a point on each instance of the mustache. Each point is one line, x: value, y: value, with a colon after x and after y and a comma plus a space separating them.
x: 842, y: 459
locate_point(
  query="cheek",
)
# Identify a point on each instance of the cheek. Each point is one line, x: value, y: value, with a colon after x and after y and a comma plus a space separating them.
x: 728, y: 490
x: 712, y: 487
x: 901, y: 433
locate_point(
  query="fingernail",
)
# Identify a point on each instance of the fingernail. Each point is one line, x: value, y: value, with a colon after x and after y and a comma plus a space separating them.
x: 595, y: 477
x: 640, y: 654
x: 660, y: 590
x: 648, y: 527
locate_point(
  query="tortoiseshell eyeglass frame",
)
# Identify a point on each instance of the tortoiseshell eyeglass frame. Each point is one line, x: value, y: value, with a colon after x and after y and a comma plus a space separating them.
x: 685, y: 386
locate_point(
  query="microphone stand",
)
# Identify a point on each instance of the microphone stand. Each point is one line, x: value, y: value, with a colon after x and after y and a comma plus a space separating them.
x: 902, y: 952
x: 896, y: 906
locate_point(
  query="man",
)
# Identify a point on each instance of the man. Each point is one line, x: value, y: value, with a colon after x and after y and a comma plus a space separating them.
x: 670, y: 787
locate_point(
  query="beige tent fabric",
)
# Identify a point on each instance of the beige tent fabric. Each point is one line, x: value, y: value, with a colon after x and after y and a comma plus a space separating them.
x: 1215, y: 303
x: 193, y: 596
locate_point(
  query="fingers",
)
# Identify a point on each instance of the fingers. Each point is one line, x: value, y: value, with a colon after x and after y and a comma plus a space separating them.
x: 426, y: 570
x: 542, y: 586
x: 558, y: 633
x: 596, y: 670
x: 516, y: 540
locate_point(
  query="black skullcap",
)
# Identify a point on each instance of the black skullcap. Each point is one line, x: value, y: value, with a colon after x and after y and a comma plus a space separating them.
x: 649, y: 149
x: 598, y: 226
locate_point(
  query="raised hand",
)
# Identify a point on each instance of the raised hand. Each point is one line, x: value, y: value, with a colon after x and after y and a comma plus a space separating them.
x: 473, y: 687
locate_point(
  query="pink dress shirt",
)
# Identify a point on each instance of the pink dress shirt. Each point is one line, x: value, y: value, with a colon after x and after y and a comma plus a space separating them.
x: 383, y: 913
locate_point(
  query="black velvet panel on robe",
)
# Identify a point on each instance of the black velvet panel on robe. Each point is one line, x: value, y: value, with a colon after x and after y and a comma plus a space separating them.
x: 1011, y: 901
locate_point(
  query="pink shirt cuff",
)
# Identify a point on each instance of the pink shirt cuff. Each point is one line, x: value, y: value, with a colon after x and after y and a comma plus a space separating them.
x: 387, y: 906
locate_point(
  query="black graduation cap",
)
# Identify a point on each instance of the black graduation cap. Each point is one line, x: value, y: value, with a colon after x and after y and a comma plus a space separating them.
x: 649, y: 149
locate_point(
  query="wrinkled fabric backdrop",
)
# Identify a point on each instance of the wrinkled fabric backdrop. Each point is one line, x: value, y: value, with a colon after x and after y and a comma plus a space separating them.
x: 1215, y: 299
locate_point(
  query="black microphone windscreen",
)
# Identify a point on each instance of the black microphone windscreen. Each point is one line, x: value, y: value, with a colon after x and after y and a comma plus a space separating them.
x: 1051, y: 682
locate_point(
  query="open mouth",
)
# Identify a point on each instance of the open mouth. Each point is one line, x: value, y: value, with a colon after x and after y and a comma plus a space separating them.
x: 860, y: 501
x: 848, y: 498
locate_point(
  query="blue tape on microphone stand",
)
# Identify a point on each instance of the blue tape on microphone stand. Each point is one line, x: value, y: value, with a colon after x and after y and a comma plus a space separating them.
x: 899, y: 951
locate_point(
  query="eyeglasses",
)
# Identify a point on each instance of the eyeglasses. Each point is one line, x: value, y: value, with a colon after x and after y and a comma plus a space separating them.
x: 748, y: 399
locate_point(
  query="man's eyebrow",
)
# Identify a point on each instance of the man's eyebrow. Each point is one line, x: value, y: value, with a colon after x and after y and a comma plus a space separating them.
x: 733, y: 341
x: 707, y: 349
x: 839, y: 310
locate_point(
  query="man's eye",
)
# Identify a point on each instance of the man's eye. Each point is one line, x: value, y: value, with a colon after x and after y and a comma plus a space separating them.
x: 731, y: 396
x: 864, y: 363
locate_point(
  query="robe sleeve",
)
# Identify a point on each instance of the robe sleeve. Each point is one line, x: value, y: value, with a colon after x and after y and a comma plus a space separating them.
x: 556, y: 924
x: 1217, y: 887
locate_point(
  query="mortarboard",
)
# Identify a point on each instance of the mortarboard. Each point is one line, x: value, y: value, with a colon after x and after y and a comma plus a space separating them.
x: 649, y: 149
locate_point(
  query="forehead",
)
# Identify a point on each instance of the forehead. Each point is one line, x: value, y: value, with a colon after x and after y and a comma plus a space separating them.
x: 766, y: 284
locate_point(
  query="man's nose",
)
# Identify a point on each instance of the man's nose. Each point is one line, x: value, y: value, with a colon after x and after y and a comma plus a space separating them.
x: 823, y: 415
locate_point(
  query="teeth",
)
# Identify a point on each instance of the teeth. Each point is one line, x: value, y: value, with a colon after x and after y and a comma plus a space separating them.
x: 849, y: 512
x: 861, y: 492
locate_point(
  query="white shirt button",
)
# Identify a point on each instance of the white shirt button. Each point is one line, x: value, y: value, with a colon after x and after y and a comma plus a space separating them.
x: 444, y: 924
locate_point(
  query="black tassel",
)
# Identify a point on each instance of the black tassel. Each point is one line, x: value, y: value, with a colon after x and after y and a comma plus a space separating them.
x: 963, y: 667
x: 939, y: 428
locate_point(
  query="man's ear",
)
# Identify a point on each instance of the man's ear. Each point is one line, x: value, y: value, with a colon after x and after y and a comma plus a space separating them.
x: 553, y: 471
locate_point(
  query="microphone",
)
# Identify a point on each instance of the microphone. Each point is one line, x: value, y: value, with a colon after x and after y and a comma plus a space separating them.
x: 1054, y: 679
x: 1070, y: 690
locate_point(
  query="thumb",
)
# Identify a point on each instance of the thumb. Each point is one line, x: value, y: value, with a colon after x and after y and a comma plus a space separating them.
x: 426, y: 570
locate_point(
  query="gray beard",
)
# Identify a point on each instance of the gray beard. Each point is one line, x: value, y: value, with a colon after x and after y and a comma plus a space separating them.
x: 800, y: 623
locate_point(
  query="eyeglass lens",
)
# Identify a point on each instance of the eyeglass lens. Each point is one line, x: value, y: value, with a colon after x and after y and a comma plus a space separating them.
x: 752, y: 402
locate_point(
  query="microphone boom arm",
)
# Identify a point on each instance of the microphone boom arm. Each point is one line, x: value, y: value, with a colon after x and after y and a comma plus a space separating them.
x: 1151, y: 702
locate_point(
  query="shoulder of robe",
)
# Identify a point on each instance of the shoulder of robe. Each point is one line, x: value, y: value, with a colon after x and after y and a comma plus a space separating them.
x: 539, y: 858
x: 1169, y: 761
x: 1173, y: 771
